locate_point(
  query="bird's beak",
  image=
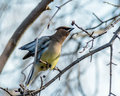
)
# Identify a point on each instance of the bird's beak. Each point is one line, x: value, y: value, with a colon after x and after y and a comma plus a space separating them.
x: 70, y: 29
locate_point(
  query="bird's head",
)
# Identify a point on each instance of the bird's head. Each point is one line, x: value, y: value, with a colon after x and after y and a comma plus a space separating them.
x: 62, y: 32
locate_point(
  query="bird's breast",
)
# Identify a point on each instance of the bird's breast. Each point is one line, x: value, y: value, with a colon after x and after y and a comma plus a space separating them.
x: 51, y: 56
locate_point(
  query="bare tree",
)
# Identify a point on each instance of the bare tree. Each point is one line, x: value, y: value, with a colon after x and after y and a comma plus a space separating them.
x: 94, y: 43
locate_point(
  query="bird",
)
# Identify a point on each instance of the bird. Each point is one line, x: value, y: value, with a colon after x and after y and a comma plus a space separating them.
x: 48, y: 53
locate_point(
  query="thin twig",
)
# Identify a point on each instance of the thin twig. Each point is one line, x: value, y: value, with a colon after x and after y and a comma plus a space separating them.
x: 80, y: 88
x: 111, y: 54
x: 59, y: 7
x: 111, y: 4
x: 111, y: 63
x: 105, y: 31
x: 22, y: 72
x: 86, y: 46
x: 113, y: 18
x: 97, y: 17
x: 90, y: 35
x: 41, y: 84
x: 36, y: 53
x: 6, y: 91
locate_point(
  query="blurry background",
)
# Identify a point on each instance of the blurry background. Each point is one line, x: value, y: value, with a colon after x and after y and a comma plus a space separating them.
x: 86, y: 78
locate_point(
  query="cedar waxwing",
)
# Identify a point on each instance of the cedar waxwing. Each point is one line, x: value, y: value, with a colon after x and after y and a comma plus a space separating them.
x: 49, y: 49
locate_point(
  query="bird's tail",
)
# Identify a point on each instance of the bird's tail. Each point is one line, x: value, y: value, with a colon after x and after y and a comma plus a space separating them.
x: 27, y: 55
x: 33, y: 73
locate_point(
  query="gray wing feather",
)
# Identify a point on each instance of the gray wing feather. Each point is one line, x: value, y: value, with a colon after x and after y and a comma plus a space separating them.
x: 43, y: 43
x: 31, y: 46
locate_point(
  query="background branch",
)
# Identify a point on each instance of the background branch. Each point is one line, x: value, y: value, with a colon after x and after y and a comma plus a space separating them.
x: 42, y: 6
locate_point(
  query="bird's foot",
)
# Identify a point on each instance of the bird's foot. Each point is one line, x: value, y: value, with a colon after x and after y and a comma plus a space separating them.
x: 57, y: 69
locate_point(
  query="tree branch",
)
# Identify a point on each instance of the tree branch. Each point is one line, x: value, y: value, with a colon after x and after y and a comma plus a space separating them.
x: 78, y: 60
x: 41, y: 7
x: 6, y: 91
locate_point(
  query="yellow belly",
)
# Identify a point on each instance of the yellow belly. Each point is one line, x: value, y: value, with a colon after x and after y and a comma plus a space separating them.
x: 51, y: 58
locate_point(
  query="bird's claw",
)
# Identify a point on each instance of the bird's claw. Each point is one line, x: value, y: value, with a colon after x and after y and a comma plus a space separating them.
x: 56, y: 68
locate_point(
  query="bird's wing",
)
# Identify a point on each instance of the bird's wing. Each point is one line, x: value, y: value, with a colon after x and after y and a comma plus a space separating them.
x: 43, y: 44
